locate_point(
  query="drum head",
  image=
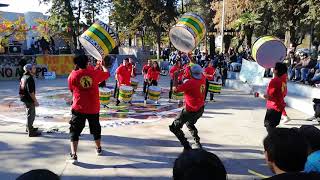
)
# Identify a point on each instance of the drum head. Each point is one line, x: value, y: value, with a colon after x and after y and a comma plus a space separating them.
x: 155, y: 88
x: 182, y: 39
x: 269, y: 52
x: 90, y: 48
x: 126, y: 88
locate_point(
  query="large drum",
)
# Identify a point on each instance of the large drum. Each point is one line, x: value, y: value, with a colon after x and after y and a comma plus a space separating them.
x: 178, y: 96
x: 188, y: 32
x: 99, y: 40
x: 105, y: 95
x: 214, y: 87
x: 134, y: 83
x: 268, y: 50
x: 154, y: 93
x: 125, y: 93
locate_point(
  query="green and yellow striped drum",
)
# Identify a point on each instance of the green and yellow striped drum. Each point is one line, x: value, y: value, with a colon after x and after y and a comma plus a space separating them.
x: 134, y: 83
x: 99, y: 40
x: 188, y: 32
x: 214, y: 87
x: 125, y: 93
x: 154, y: 93
x: 105, y: 95
x: 178, y: 96
x: 268, y: 50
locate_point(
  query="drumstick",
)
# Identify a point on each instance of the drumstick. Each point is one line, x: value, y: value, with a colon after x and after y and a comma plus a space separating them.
x: 257, y: 174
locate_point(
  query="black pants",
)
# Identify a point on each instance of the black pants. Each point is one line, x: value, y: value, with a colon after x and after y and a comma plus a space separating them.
x: 150, y: 83
x: 207, y: 90
x: 78, y: 122
x: 145, y: 84
x: 115, y: 90
x: 190, y: 119
x: 31, y: 115
x: 272, y: 119
x: 170, y: 92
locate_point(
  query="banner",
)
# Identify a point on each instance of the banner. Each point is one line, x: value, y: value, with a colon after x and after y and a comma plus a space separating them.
x: 14, y: 72
x: 251, y: 72
x: 60, y: 64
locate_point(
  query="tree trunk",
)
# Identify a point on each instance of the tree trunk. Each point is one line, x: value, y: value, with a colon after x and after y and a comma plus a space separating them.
x: 212, y: 44
x: 249, y: 33
x: 71, y: 19
x: 78, y: 21
x: 130, y: 41
x: 158, y: 42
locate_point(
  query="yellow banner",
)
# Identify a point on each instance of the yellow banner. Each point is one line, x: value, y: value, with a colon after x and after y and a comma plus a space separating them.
x: 60, y: 64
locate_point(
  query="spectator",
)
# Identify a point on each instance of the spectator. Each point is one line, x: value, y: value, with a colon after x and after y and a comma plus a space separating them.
x: 164, y: 67
x: 198, y: 164
x: 27, y: 91
x: 203, y: 59
x: 236, y: 66
x: 39, y: 174
x: 312, y: 135
x: 44, y: 44
x: 315, y: 74
x: 52, y: 45
x: 303, y: 67
x: 286, y: 152
x: 291, y: 62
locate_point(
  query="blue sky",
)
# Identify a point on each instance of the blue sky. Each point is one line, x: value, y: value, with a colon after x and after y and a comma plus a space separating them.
x: 23, y: 6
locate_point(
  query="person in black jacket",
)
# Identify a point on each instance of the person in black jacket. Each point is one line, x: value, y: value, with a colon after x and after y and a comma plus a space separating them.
x: 27, y: 93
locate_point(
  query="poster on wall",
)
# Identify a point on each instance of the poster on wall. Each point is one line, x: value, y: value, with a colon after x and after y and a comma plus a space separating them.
x: 62, y: 65
x: 251, y: 72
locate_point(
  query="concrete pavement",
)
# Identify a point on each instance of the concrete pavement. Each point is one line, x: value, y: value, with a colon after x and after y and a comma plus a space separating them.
x: 232, y: 128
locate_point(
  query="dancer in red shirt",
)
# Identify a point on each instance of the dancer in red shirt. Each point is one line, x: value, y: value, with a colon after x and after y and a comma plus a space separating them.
x: 152, y: 76
x: 145, y: 77
x: 176, y: 68
x: 123, y: 75
x: 83, y: 83
x: 276, y: 91
x: 209, y: 73
x: 194, y: 92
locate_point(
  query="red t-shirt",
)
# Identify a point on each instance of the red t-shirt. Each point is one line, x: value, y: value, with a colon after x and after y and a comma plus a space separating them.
x: 194, y: 92
x: 277, y: 90
x: 124, y: 74
x: 175, y: 69
x: 187, y: 71
x: 83, y: 84
x: 209, y: 73
x: 153, y: 74
x: 145, y: 70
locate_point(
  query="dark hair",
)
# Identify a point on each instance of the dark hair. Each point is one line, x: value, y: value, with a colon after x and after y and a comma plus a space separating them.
x: 126, y: 59
x: 198, y: 164
x: 158, y: 67
x: 312, y: 136
x: 281, y: 68
x: 176, y: 63
x: 39, y: 174
x: 81, y: 61
x: 287, y: 148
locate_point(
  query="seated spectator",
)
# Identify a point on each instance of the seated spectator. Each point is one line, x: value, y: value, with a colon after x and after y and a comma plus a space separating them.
x: 236, y: 66
x: 314, y: 75
x: 198, y: 164
x: 312, y: 135
x: 286, y: 152
x: 39, y: 174
x: 291, y: 62
x: 303, y: 67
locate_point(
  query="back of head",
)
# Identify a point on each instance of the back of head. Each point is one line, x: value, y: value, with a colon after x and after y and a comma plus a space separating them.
x: 198, y: 164
x: 39, y: 174
x: 287, y: 149
x: 312, y: 135
x: 81, y: 61
x: 281, y: 68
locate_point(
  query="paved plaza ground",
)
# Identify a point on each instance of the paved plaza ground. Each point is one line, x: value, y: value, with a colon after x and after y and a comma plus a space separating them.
x: 231, y: 127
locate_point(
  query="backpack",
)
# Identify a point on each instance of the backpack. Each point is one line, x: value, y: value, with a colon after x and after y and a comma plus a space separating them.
x: 316, y: 107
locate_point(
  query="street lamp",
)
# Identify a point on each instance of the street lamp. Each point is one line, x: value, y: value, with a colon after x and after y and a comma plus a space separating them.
x: 222, y: 23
